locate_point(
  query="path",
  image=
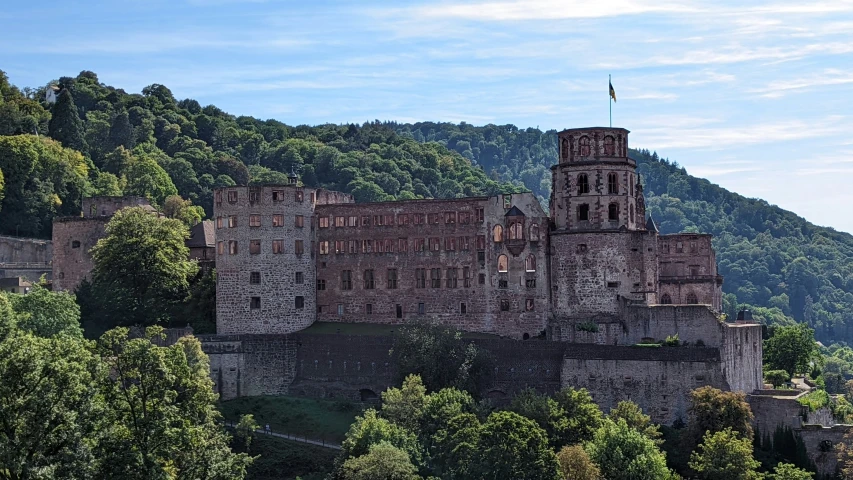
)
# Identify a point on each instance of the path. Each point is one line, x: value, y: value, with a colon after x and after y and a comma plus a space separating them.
x: 295, y: 438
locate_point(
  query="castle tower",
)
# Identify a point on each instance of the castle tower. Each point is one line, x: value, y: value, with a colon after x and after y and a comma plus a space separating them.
x: 602, y: 255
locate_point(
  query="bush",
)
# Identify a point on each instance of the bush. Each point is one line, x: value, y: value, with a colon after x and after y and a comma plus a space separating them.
x: 776, y: 377
x: 591, y: 327
x: 671, y: 341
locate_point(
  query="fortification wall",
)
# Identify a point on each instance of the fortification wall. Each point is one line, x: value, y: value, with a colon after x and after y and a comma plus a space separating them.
x: 249, y: 365
x: 73, y: 237
x: 25, y: 250
x: 822, y: 445
x: 742, y: 355
x: 775, y: 408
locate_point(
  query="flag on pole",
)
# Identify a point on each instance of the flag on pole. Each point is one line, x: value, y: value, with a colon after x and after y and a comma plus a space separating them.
x: 612, y: 92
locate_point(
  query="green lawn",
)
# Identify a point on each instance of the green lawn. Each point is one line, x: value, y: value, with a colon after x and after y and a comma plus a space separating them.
x: 332, y: 328
x: 316, y: 419
x: 284, y: 459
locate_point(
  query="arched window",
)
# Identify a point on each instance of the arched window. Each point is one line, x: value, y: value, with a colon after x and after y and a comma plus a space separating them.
x: 631, y: 213
x: 691, y: 299
x: 583, y: 184
x: 665, y: 299
x: 583, y: 146
x: 613, y: 212
x: 612, y: 183
x: 498, y: 233
x: 564, y: 152
x: 530, y: 264
x: 609, y: 145
x: 534, y: 232
x: 503, y: 263
x: 516, y: 231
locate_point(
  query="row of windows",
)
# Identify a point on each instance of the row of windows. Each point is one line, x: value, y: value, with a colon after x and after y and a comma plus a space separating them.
x: 432, y: 279
x: 277, y: 247
x: 612, y: 212
x: 298, y: 302
x: 679, y: 247
x: 402, y: 219
x: 612, y: 184
x: 529, y: 306
x: 608, y: 146
x: 255, y: 195
x: 255, y: 221
x: 690, y: 299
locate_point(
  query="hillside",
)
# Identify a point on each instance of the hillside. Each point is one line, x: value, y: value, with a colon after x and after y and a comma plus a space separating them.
x: 154, y: 145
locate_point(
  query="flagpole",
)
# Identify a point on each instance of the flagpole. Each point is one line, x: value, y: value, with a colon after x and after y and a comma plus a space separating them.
x: 610, y: 99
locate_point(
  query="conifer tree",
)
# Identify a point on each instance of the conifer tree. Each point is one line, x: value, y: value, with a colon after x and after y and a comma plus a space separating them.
x: 66, y: 126
x: 121, y: 132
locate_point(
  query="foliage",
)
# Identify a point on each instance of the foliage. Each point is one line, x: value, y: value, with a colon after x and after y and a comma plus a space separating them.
x: 65, y: 125
x: 725, y: 455
x: 575, y: 464
x: 278, y: 459
x: 589, y: 326
x: 623, y: 453
x: 183, y: 210
x: 245, y: 429
x: 671, y: 341
x: 141, y: 272
x: 162, y: 420
x: 383, y: 462
x: 713, y: 410
x: 47, y: 314
x: 777, y: 377
x: 636, y: 419
x: 787, y: 471
x: 440, y: 356
x: 791, y: 348
x: 815, y: 400
x: 569, y: 418
x: 7, y: 316
x: 370, y: 429
x: 511, y: 446
x: 199, y: 308
x: 405, y: 406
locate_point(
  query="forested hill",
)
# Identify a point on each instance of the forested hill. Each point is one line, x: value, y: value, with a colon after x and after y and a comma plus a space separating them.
x: 101, y: 140
x: 770, y: 257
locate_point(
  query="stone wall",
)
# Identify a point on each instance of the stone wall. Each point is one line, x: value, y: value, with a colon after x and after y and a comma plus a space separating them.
x: 743, y: 356
x: 25, y: 250
x: 688, y: 270
x: 822, y: 445
x: 249, y: 365
x: 775, y: 408
x: 73, y: 238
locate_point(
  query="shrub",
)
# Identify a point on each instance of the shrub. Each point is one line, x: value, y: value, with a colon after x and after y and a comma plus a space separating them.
x: 591, y: 327
x: 776, y: 377
x: 671, y: 341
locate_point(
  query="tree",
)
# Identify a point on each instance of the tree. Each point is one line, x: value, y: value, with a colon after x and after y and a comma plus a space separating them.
x: 777, y: 377
x: 107, y: 185
x: 7, y: 317
x: 511, y: 446
x: 246, y: 429
x: 121, y: 131
x: 791, y: 348
x: 623, y: 453
x: 787, y: 471
x: 713, y: 410
x: 141, y: 271
x: 370, y: 429
x: 405, y: 406
x: 575, y: 464
x: 183, y: 210
x: 148, y: 179
x: 582, y: 414
x: 49, y: 406
x: 636, y: 419
x: 65, y: 126
x: 725, y: 455
x: 162, y: 421
x: 47, y: 314
x: 383, y: 462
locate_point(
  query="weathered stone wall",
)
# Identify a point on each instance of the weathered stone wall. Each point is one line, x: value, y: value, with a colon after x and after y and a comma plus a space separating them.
x: 25, y: 250
x: 822, y: 445
x: 108, y: 206
x: 743, y: 355
x: 688, y: 270
x: 73, y: 238
x: 249, y: 365
x: 357, y: 238
x: 775, y: 408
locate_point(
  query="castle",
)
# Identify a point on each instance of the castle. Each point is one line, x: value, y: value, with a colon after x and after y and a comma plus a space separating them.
x: 567, y: 294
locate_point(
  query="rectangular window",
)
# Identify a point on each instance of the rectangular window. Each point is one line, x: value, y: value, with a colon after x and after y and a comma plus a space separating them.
x: 435, y: 277
x: 254, y: 247
x: 339, y: 246
x: 450, y: 218
x: 402, y: 245
x: 254, y: 195
x: 481, y: 279
x: 352, y: 246
x: 528, y: 304
x: 232, y: 221
x: 340, y: 309
x: 340, y: 221
x: 346, y: 280
x: 450, y: 244
x: 464, y: 218
x: 324, y: 248
x: 232, y: 196
x: 419, y: 218
x: 504, y: 305
x: 352, y: 221
x: 433, y: 218
x: 255, y: 303
x: 299, y: 221
x: 379, y: 246
x: 300, y: 278
x: 503, y: 283
x: 464, y: 243
x: 254, y: 220
x: 255, y: 278
x: 299, y: 302
x: 694, y: 270
x: 466, y: 276
x: 583, y: 213
x: 434, y: 244
x: 232, y: 247
x: 420, y: 243
x: 391, y: 277
x: 321, y: 284
x: 481, y: 257
x: 369, y: 280
x: 481, y: 242
x: 389, y: 245
x: 365, y: 221
x: 463, y: 309
x: 298, y: 247
x: 278, y: 246
x: 378, y: 220
x: 218, y: 222
x: 480, y: 217
x: 530, y: 283
x: 421, y: 309
x: 367, y: 246
x: 313, y: 198
x: 217, y: 196
x: 389, y: 220
x: 452, y: 278
x: 507, y: 201
x: 399, y: 309
x: 324, y: 222
x: 403, y: 219
x: 300, y: 195
x: 368, y: 309
x: 278, y: 195
x: 420, y: 278
x: 220, y: 247
x: 278, y: 220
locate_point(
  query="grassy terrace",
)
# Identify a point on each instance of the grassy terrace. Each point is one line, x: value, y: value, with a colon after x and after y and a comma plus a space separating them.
x: 335, y: 328
x: 283, y: 459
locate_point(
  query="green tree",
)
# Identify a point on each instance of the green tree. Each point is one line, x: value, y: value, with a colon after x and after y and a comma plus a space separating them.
x: 106, y: 184
x: 121, y: 131
x: 787, y: 471
x: 791, y: 348
x: 405, y: 406
x: 623, y: 453
x: 65, y: 125
x: 141, y: 271
x: 183, y: 210
x: 455, y: 446
x: 636, y: 419
x: 582, y: 414
x: 370, y: 429
x: 777, y: 377
x: 383, y: 462
x: 713, y: 410
x: 148, y: 179
x: 245, y: 429
x: 162, y: 421
x: 50, y: 408
x: 724, y: 455
x: 46, y: 313
x: 7, y: 317
x: 575, y: 464
x: 511, y: 446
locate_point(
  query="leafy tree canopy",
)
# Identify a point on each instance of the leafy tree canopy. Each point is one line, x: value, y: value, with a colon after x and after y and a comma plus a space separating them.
x: 791, y: 348
x: 47, y: 314
x: 623, y: 453
x: 725, y: 455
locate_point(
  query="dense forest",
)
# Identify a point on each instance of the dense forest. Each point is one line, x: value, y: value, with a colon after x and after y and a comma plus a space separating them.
x: 100, y: 140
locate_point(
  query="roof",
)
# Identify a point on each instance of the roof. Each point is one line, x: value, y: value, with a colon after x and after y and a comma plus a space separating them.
x: 582, y: 129
x: 514, y: 212
x: 650, y: 225
x: 202, y: 235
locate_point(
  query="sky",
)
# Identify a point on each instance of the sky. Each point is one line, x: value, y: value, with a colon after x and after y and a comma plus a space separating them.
x: 756, y: 97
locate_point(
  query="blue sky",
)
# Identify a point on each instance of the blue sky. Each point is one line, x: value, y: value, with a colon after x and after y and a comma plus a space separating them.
x: 756, y: 98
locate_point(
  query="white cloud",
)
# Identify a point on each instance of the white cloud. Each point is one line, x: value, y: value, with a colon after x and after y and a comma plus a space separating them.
x: 549, y: 9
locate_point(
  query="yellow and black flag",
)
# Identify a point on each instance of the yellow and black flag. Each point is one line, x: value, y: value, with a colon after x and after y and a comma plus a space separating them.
x: 612, y: 92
